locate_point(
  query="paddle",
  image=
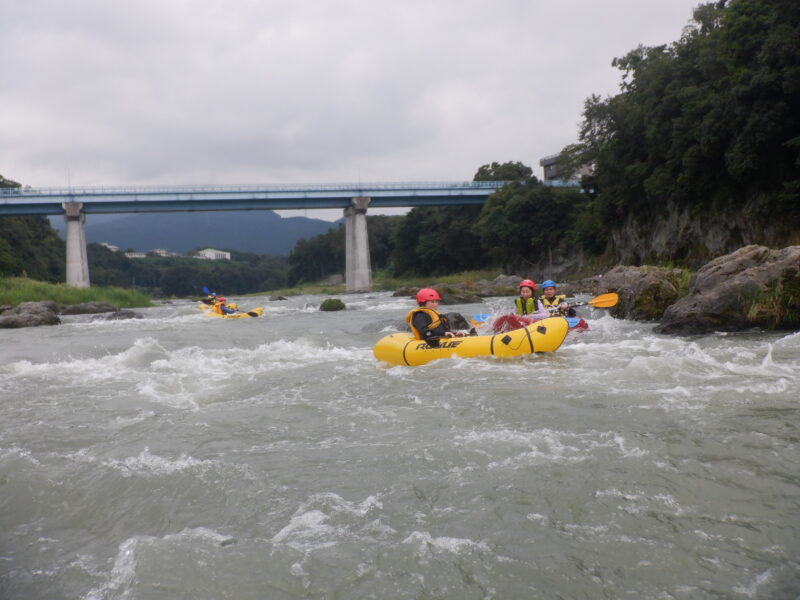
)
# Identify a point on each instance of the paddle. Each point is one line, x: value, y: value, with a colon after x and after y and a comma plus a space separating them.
x: 481, y: 318
x: 601, y: 301
x: 209, y: 300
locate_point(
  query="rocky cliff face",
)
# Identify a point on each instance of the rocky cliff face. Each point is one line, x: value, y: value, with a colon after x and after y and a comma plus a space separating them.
x: 752, y: 287
x: 693, y: 239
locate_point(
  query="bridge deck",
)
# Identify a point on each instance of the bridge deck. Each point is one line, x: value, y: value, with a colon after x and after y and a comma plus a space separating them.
x: 49, y: 201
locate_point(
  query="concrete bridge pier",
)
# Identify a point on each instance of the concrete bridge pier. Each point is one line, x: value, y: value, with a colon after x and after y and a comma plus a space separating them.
x: 77, y: 260
x: 358, y: 273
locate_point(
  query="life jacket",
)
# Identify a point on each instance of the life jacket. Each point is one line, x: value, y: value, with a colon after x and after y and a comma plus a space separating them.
x: 218, y: 307
x: 552, y: 305
x: 437, y: 320
x: 528, y: 308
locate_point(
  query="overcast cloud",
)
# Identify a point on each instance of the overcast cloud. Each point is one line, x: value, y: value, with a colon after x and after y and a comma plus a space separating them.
x: 99, y: 92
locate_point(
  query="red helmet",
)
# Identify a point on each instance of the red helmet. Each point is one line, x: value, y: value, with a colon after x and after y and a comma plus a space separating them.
x: 221, y: 299
x: 426, y: 294
x: 527, y: 283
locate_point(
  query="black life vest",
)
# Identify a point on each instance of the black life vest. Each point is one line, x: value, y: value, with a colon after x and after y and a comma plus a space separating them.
x: 437, y: 322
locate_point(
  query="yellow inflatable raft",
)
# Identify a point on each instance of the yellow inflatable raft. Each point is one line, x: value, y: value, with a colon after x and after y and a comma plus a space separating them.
x: 253, y: 312
x: 543, y: 336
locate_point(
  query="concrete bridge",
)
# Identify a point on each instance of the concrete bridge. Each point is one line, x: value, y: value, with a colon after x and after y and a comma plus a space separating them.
x: 75, y: 203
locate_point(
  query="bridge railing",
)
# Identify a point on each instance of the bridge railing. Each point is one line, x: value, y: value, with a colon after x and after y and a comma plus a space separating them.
x: 358, y: 188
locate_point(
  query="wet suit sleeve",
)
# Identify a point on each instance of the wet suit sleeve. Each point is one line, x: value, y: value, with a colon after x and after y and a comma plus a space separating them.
x: 541, y: 311
x: 421, y: 321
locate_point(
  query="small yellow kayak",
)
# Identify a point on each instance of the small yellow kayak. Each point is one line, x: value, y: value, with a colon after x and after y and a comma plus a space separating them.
x: 404, y: 349
x: 253, y: 312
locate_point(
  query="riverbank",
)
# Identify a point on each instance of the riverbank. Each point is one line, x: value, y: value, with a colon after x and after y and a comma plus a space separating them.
x: 16, y: 290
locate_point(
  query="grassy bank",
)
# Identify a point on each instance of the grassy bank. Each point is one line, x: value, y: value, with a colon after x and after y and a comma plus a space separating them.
x: 15, y: 290
x: 382, y: 282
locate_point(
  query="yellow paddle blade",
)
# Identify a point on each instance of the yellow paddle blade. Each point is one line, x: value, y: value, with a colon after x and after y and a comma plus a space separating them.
x: 604, y: 300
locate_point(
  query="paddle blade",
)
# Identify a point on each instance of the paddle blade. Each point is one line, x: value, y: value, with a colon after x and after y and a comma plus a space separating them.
x: 604, y: 300
x: 206, y: 290
x: 479, y: 319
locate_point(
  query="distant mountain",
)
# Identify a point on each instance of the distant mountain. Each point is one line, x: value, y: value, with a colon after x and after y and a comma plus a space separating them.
x: 257, y: 231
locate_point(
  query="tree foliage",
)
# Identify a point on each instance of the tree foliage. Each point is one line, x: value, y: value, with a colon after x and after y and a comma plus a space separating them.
x: 181, y: 276
x: 322, y: 255
x: 29, y: 246
x: 711, y: 120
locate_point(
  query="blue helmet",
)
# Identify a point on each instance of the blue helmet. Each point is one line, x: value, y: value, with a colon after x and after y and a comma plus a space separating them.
x: 549, y: 283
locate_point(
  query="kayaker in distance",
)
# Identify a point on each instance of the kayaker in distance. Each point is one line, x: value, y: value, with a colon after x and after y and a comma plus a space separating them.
x: 221, y: 308
x: 553, y: 302
x: 527, y: 304
x: 426, y: 322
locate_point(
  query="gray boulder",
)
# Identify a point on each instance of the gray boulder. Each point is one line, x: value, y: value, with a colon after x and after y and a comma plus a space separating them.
x: 644, y: 292
x: 752, y: 287
x: 507, y: 281
x: 30, y: 314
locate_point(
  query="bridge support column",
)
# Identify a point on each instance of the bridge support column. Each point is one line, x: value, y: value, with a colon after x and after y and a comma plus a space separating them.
x: 358, y: 273
x: 77, y: 260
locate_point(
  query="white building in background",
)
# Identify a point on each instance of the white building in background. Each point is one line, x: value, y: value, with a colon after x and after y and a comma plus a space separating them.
x: 212, y: 254
x: 136, y: 255
x: 162, y: 252
x: 110, y: 246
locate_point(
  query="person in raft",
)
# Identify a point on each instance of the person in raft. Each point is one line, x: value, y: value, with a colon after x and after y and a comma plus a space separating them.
x: 221, y: 308
x: 426, y: 322
x: 527, y: 304
x: 555, y: 302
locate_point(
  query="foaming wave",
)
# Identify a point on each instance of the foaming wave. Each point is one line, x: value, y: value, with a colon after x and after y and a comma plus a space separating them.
x: 143, y: 353
x: 521, y: 448
x: 427, y: 544
x: 326, y: 519
x: 180, y: 378
x: 639, y: 501
x: 121, y: 581
x: 148, y: 464
x: 791, y: 340
x: 303, y: 352
x: 511, y: 449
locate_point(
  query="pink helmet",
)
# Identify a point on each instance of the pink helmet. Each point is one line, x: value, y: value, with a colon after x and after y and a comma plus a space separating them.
x: 426, y: 294
x: 528, y: 283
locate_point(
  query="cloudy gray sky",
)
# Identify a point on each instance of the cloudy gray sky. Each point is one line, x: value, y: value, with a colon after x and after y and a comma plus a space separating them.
x: 103, y: 92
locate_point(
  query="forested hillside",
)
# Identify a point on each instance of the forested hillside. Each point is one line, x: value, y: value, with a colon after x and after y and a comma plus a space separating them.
x: 30, y: 247
x: 699, y: 153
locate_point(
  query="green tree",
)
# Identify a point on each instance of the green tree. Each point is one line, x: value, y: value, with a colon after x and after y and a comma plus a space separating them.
x: 30, y: 246
x: 706, y: 124
x: 524, y: 224
x: 509, y: 171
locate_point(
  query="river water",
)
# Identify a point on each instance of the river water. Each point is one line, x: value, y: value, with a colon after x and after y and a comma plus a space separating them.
x: 184, y: 457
